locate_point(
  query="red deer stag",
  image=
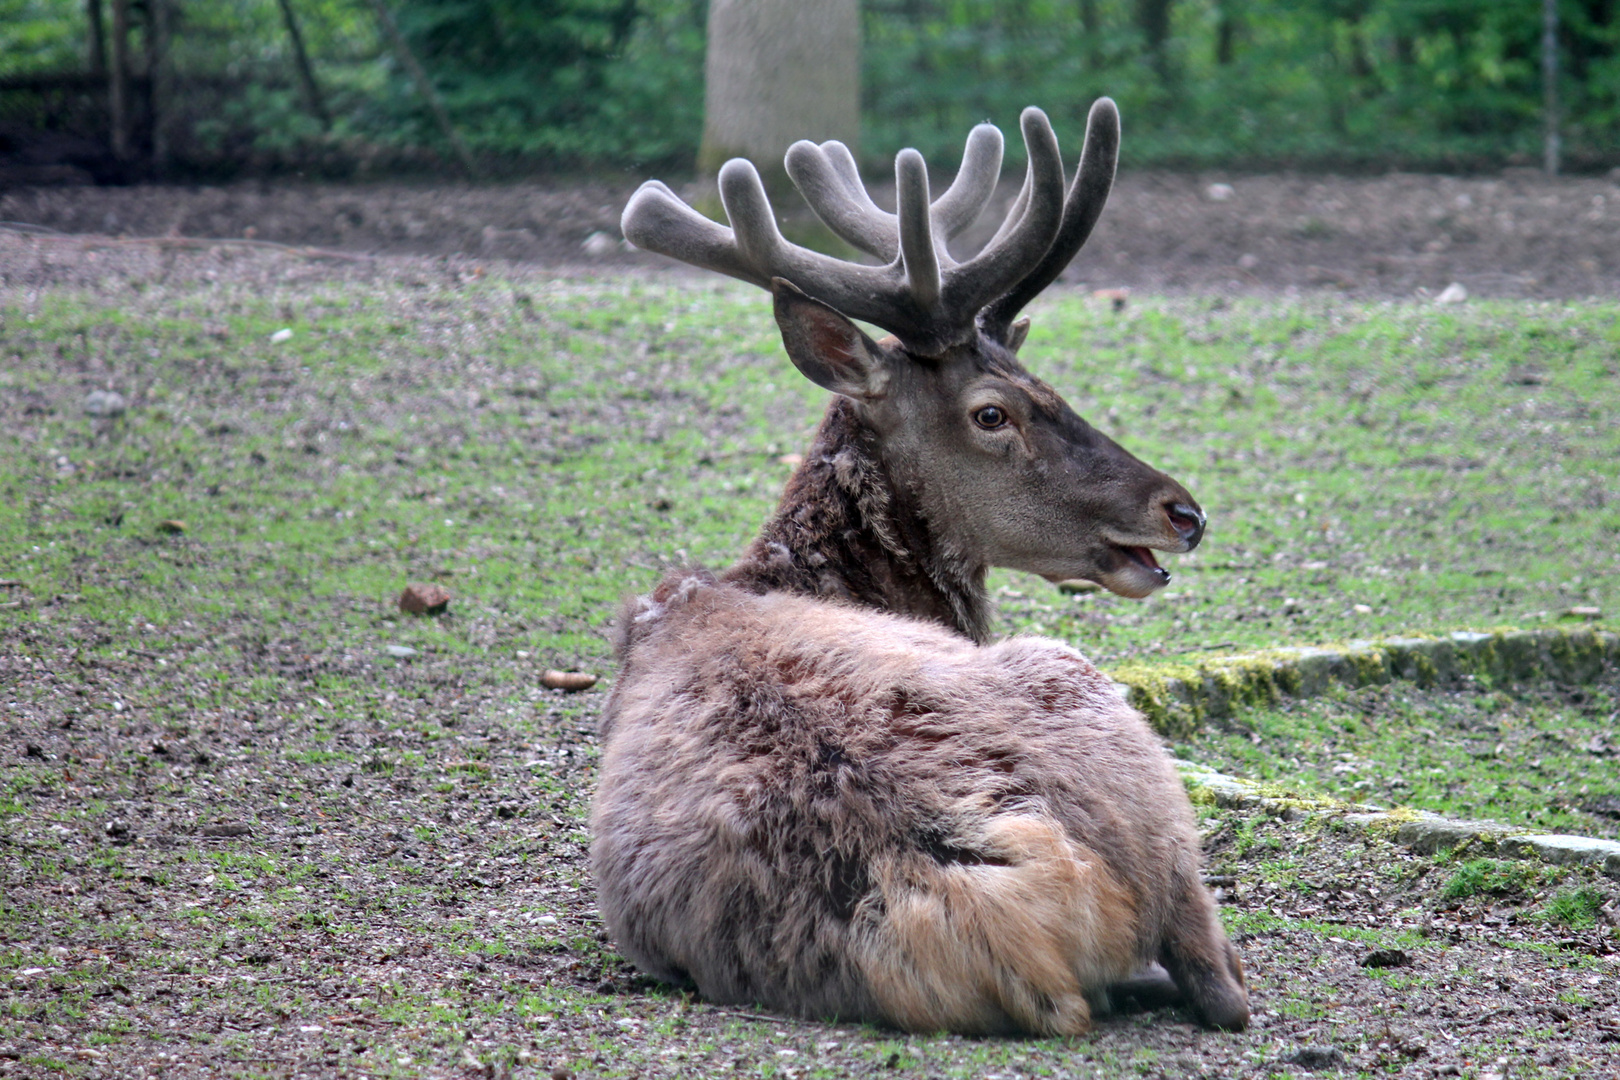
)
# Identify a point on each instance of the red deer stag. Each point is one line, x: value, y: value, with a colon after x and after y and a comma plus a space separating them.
x: 823, y: 790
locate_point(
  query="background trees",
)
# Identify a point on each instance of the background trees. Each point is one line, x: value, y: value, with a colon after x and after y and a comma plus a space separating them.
x: 620, y: 83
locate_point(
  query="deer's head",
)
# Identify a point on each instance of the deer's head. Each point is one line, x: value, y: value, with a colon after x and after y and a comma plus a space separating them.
x: 1001, y: 469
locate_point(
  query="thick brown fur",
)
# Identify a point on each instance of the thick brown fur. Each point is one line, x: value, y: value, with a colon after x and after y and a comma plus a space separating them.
x: 820, y: 794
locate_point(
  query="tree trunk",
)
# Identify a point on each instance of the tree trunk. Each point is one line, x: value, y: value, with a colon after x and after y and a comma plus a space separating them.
x: 1153, y: 18
x: 424, y: 86
x: 1228, y: 24
x: 159, y: 84
x: 306, y: 74
x: 1551, y: 150
x: 1091, y: 28
x: 97, y: 42
x: 118, y: 103
x: 779, y: 71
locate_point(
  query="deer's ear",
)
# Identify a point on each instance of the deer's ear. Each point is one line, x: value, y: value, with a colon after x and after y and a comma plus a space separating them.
x: 831, y: 351
x: 1016, y: 333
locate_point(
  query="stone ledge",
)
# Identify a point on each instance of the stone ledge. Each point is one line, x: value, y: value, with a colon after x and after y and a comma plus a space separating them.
x: 1177, y: 698
x: 1423, y: 832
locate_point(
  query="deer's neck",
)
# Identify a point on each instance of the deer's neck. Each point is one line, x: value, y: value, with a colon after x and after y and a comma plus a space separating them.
x: 846, y: 530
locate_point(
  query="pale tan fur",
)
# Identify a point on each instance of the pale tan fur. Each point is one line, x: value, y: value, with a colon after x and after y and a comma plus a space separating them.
x: 1012, y: 837
x: 968, y: 948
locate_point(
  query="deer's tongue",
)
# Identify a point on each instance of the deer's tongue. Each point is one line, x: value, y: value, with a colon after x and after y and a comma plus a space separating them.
x: 1143, y: 556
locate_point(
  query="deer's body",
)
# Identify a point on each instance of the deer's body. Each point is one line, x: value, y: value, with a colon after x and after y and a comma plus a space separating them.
x: 822, y: 790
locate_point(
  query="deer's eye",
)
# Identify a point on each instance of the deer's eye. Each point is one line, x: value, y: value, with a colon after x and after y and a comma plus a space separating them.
x: 990, y: 417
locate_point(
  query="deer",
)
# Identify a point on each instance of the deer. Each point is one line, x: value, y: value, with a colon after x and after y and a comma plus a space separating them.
x: 824, y: 789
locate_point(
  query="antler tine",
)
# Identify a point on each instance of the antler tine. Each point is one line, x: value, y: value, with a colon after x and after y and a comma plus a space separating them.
x: 921, y: 295
x: 1007, y: 260
x: 828, y: 179
x: 918, y: 256
x: 1084, y: 205
x: 1015, y: 213
x: 877, y: 294
x: 975, y: 182
x: 657, y: 220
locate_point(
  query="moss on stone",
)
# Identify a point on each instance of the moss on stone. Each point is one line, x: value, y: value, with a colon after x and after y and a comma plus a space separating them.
x: 1178, y: 696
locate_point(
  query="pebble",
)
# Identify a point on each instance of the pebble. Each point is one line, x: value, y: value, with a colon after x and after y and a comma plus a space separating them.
x: 1387, y: 958
x: 567, y: 680
x: 1116, y: 298
x: 1452, y: 294
x: 1316, y: 1057
x: 284, y: 334
x: 424, y: 599
x: 105, y: 403
x: 1219, y: 192
x: 599, y: 244
x: 401, y: 652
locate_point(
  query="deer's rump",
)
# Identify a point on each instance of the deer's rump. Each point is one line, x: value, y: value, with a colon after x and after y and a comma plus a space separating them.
x: 836, y: 812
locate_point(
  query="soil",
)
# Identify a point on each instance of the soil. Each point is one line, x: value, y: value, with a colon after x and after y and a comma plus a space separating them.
x: 1518, y: 234
x: 322, y: 919
x: 226, y: 892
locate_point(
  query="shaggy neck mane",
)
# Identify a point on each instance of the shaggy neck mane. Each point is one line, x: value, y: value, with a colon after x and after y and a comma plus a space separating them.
x: 845, y: 530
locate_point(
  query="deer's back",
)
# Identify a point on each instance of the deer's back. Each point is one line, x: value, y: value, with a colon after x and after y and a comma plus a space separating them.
x: 767, y: 757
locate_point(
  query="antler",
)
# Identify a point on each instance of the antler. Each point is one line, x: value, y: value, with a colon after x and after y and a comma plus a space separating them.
x: 922, y: 294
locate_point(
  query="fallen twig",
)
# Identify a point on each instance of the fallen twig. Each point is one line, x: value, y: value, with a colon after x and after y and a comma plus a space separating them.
x: 192, y: 243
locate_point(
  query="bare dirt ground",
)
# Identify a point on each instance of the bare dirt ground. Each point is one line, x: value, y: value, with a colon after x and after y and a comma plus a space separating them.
x: 1519, y: 234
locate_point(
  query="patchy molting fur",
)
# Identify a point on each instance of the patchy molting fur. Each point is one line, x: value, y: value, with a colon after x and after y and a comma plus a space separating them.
x: 836, y: 812
x: 846, y: 531
x: 855, y: 809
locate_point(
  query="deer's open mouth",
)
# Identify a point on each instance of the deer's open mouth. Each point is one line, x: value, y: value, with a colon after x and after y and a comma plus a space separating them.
x: 1134, y: 573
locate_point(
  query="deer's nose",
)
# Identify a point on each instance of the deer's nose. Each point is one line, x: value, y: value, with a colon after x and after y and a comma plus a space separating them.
x: 1187, y: 521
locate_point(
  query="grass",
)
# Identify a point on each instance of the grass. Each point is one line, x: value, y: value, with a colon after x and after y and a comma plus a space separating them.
x: 549, y: 450
x: 544, y: 447
x: 1464, y: 752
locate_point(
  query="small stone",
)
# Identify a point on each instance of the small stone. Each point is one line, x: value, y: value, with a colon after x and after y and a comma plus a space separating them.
x: 105, y: 403
x: 567, y: 680
x: 1387, y: 958
x: 1361, y: 609
x: 1248, y: 261
x: 424, y: 599
x: 400, y: 652
x: 225, y: 831
x: 1316, y: 1057
x: 171, y: 527
x: 1583, y: 613
x: 1116, y: 298
x: 1078, y: 586
x: 1219, y: 192
x: 1452, y: 294
x: 284, y: 334
x: 599, y: 244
